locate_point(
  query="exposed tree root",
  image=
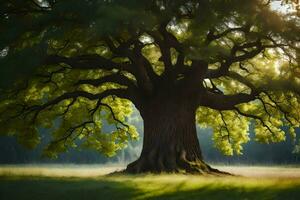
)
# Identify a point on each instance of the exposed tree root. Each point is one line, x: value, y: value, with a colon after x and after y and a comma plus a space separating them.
x: 182, y: 166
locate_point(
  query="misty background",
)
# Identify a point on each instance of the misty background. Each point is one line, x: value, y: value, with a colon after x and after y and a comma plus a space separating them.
x: 254, y: 153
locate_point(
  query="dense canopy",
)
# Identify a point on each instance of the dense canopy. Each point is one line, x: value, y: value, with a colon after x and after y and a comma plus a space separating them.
x: 73, y: 66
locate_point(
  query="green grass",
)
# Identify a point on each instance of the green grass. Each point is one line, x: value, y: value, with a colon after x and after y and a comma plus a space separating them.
x: 18, y: 186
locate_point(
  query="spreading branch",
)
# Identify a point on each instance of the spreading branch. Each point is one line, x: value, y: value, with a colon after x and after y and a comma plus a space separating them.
x: 113, y: 78
x: 220, y: 102
x: 87, y: 62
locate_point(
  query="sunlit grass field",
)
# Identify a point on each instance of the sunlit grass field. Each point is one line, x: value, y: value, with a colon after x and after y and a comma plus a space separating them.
x: 74, y: 182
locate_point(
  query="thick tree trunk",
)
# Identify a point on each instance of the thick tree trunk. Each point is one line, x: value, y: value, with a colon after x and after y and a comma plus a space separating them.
x: 170, y: 140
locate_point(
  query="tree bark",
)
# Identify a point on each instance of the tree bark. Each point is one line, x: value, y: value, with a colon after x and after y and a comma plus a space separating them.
x: 170, y: 139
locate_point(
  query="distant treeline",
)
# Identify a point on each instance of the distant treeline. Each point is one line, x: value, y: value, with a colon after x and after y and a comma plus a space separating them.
x: 254, y: 153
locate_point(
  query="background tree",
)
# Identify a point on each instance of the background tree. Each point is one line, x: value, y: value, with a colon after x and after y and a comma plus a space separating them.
x: 77, y: 65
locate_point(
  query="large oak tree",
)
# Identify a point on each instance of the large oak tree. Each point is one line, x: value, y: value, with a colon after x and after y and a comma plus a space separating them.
x: 77, y: 66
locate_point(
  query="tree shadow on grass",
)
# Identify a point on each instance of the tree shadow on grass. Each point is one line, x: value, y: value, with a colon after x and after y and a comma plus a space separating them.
x: 215, y: 192
x: 66, y: 189
x: 43, y: 188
